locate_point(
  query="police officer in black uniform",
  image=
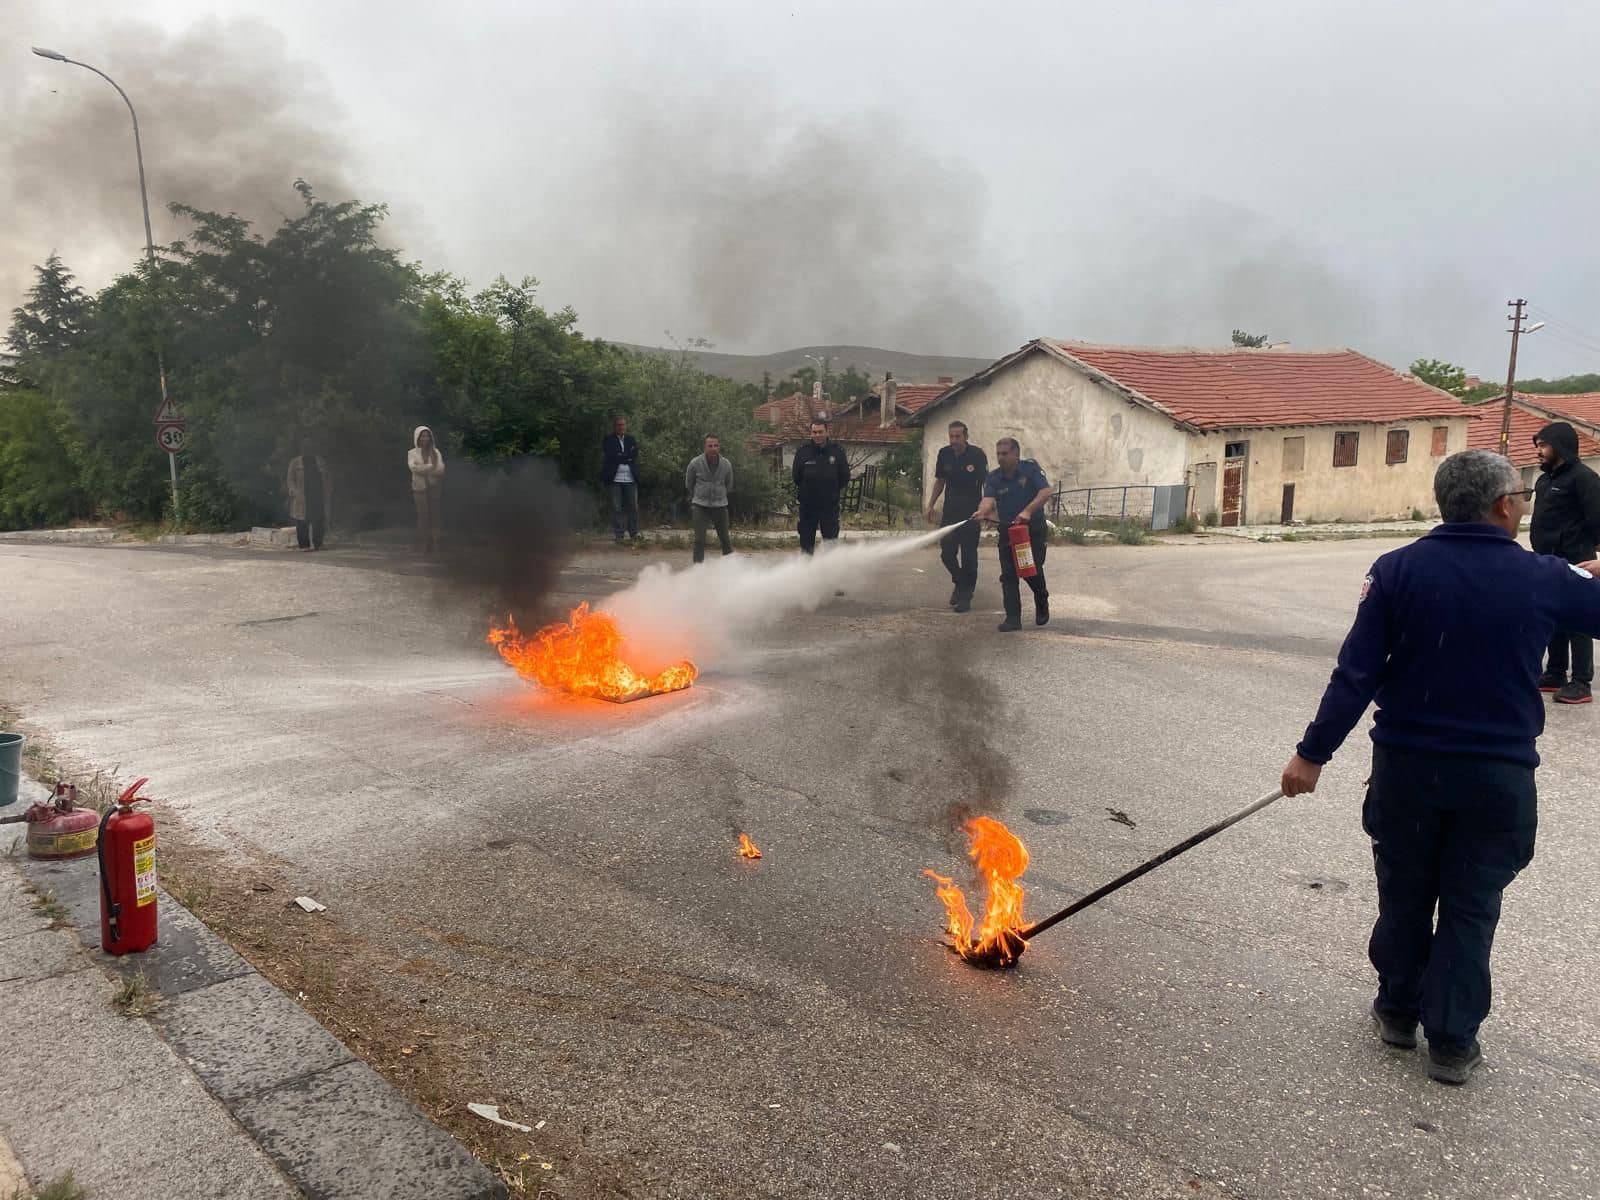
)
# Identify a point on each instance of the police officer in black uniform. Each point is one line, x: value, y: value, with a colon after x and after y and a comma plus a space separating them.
x: 1015, y: 494
x: 959, y: 474
x: 820, y: 472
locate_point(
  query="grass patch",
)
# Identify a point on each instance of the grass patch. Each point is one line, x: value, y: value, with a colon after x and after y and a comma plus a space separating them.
x: 62, y: 1187
x: 1418, y: 515
x: 46, y: 905
x: 1290, y: 536
x: 1210, y: 518
x: 1129, y: 534
x: 134, y: 998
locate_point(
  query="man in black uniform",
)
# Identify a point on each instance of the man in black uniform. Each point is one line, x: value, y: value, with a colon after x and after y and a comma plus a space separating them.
x: 1015, y: 494
x: 820, y: 472
x: 959, y: 474
x: 1566, y: 523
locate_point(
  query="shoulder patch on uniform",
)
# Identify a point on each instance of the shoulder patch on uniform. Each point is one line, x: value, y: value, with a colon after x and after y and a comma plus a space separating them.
x: 1366, y: 587
x: 1577, y: 570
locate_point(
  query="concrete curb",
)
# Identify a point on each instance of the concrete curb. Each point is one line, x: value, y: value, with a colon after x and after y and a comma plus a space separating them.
x: 329, y: 1122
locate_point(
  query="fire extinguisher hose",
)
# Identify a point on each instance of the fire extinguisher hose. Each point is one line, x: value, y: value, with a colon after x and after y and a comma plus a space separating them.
x: 112, y: 907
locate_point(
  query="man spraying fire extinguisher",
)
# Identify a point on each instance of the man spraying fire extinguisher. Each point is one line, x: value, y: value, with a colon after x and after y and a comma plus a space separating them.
x: 1014, y: 497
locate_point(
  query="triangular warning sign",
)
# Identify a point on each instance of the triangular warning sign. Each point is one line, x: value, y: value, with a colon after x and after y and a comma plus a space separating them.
x: 168, y: 412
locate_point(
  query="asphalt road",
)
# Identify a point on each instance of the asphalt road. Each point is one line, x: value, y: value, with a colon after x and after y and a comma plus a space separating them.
x: 561, y: 877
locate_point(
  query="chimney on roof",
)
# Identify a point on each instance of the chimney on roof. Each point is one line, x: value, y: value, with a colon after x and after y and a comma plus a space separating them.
x: 946, y: 380
x: 886, y: 405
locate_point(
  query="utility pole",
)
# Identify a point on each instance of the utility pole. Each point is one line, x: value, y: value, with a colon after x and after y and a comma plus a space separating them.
x: 1516, y: 307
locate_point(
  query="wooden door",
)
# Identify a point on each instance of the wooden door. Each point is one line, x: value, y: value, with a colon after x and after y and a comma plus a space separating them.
x: 1288, y: 504
x: 1232, y: 490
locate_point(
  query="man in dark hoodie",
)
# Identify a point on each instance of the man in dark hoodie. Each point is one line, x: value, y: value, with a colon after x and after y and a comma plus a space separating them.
x: 1566, y: 523
x: 1447, y: 638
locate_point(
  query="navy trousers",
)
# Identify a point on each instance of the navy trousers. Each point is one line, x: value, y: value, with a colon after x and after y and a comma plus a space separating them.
x: 959, y: 553
x: 813, y: 515
x: 1010, y: 587
x: 1448, y: 833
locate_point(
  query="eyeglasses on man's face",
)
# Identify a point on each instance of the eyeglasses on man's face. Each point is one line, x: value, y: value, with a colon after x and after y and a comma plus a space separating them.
x: 1525, y: 493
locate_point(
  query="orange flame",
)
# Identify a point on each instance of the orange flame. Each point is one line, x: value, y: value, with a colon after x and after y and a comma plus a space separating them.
x: 1001, y: 859
x: 747, y: 848
x: 579, y: 655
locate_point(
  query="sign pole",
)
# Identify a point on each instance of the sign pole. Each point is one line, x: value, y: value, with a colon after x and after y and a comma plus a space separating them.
x: 172, y: 459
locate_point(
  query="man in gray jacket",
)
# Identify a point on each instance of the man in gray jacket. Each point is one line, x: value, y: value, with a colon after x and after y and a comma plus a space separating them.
x: 709, y: 479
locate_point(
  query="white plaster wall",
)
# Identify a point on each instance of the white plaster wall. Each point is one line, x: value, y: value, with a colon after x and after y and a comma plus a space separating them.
x: 1370, y: 490
x: 1082, y: 433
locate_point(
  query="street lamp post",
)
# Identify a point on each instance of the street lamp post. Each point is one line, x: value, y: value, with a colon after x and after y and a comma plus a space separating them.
x: 149, y: 239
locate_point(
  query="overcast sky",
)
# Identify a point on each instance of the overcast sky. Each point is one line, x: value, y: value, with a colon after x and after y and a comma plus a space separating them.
x: 931, y: 176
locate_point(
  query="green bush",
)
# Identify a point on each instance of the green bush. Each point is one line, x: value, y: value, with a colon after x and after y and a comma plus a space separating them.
x: 1130, y: 534
x: 207, y: 503
x: 1210, y: 517
x: 39, y: 476
x: 1418, y: 515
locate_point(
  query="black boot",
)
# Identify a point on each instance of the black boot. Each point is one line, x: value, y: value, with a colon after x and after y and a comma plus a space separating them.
x: 1041, y: 610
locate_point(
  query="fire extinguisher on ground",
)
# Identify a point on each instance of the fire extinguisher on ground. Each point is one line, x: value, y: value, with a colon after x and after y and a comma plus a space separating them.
x: 1022, y: 550
x: 127, y: 853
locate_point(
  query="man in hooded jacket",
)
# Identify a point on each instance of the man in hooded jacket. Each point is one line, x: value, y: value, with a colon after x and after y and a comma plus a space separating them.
x: 1566, y: 523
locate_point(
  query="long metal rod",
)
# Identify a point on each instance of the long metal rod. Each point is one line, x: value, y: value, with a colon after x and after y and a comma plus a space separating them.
x: 1143, y: 868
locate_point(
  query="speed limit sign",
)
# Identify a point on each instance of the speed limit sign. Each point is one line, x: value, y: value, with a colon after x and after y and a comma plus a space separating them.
x: 172, y: 437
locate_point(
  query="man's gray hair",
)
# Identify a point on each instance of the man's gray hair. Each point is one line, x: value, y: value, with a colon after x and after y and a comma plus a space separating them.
x: 1467, y: 484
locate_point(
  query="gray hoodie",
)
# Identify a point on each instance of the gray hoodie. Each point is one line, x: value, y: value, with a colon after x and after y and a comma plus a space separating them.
x: 708, y: 486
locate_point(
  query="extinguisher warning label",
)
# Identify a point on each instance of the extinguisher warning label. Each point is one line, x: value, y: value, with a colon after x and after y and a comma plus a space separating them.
x: 144, y: 870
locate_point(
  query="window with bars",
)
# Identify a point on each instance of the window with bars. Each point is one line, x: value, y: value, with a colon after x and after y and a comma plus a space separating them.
x: 1344, y: 449
x: 1399, y: 444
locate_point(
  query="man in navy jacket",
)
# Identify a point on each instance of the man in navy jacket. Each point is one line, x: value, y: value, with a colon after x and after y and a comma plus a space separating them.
x: 1448, y: 639
x: 619, y: 472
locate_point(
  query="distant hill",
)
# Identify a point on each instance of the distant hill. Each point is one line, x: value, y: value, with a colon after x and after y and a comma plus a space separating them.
x: 869, y: 360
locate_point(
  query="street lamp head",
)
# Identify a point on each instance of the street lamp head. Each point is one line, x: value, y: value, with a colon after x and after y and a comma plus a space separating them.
x: 56, y: 55
x: 1535, y: 327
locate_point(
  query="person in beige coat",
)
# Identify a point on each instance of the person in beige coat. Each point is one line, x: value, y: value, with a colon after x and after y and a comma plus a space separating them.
x: 427, y: 482
x: 310, y: 497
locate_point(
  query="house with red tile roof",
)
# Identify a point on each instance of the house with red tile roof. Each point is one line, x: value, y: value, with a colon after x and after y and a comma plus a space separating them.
x: 868, y: 427
x: 1260, y: 435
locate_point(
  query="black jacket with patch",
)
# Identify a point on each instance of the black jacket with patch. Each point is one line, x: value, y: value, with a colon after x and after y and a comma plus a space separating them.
x: 1566, y: 508
x: 820, y: 473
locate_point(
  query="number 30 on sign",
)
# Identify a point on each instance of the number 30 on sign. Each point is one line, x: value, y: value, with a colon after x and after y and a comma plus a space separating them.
x: 172, y: 438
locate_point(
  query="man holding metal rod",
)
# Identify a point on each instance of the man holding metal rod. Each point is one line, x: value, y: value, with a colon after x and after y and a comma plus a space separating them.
x: 1448, y: 638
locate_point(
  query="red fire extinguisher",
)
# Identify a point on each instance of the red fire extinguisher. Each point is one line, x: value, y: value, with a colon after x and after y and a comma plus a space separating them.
x: 127, y: 852
x: 1022, y: 550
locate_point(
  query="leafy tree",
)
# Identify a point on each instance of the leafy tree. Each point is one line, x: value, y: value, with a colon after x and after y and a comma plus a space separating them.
x: 316, y: 329
x: 1249, y: 341
x: 49, y: 324
x: 1447, y: 377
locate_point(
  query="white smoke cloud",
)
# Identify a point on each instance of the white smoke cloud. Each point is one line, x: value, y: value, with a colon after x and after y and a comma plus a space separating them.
x: 703, y: 612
